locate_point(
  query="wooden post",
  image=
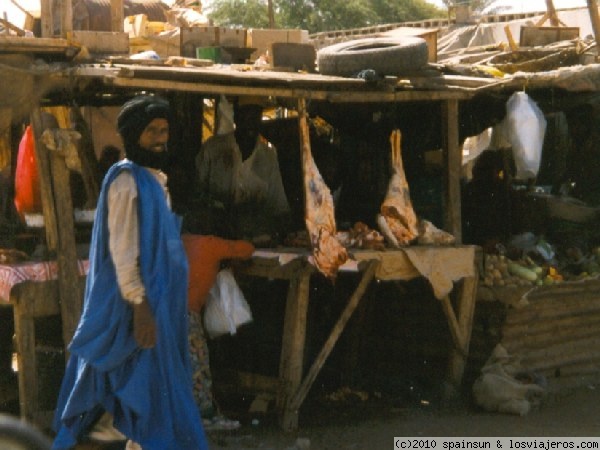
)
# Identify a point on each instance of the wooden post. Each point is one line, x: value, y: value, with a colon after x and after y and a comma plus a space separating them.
x: 593, y: 8
x: 453, y: 159
x: 271, y: 14
x: 46, y: 19
x: 59, y: 226
x: 292, y: 346
x: 461, y: 325
x: 66, y: 19
x: 71, y: 295
x: 117, y: 15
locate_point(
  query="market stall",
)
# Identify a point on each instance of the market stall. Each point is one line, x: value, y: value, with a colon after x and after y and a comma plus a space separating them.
x: 31, y: 290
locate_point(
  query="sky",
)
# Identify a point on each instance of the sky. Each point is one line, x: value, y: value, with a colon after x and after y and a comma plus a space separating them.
x: 519, y: 6
x: 516, y: 6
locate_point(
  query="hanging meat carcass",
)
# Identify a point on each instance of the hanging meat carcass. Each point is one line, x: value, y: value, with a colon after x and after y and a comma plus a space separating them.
x: 328, y: 253
x: 397, y: 219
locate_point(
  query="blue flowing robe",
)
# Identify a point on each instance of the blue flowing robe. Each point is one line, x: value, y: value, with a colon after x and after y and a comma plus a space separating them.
x: 148, y: 391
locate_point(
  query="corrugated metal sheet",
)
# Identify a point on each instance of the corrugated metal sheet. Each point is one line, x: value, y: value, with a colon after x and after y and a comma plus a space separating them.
x: 99, y: 12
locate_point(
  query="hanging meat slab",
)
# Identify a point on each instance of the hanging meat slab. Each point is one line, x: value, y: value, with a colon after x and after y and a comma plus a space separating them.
x: 328, y: 253
x: 397, y: 219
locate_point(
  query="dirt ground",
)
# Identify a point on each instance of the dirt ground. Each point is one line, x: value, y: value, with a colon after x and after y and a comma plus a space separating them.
x: 372, y: 425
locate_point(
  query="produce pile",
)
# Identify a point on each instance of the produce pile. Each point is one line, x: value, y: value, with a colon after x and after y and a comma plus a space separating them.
x: 360, y: 236
x: 525, y: 270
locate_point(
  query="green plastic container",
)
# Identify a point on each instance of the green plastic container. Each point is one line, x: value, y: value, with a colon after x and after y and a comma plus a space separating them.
x: 212, y: 53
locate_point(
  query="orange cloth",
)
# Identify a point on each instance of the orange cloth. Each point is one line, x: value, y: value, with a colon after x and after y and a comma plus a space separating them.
x: 205, y: 254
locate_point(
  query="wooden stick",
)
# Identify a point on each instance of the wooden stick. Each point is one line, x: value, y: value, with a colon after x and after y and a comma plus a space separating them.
x: 552, y: 13
x: 511, y: 40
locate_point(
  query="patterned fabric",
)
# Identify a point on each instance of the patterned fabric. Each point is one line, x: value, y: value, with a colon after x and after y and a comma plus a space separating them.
x: 201, y: 376
x: 13, y: 274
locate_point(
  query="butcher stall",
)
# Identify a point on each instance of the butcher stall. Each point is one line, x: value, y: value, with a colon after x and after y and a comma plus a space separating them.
x: 450, y: 267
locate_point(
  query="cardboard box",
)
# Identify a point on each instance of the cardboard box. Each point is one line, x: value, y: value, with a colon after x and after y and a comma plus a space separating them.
x: 261, y: 39
x: 165, y: 45
x: 194, y: 37
x: 232, y: 37
x: 103, y: 42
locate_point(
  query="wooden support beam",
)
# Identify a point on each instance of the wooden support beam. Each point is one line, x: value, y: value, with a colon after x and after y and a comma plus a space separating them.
x: 46, y: 19
x: 71, y: 295
x: 460, y: 321
x: 117, y: 15
x: 453, y: 158
x: 292, y: 347
x: 59, y: 225
x: 66, y: 18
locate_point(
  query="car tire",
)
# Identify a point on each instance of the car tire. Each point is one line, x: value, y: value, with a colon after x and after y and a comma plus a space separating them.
x: 18, y: 435
x: 386, y: 56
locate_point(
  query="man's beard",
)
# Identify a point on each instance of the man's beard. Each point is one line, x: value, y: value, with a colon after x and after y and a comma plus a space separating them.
x: 147, y: 158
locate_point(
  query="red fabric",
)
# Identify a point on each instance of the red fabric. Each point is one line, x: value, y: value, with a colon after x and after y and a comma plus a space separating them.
x: 205, y: 254
x: 27, y: 180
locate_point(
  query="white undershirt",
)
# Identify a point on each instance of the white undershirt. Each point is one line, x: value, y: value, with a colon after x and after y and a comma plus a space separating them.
x: 123, y: 232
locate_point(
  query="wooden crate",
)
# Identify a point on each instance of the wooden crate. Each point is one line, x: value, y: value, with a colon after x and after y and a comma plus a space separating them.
x: 540, y: 36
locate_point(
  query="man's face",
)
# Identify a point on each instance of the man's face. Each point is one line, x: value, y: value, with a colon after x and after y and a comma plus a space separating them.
x: 155, y: 136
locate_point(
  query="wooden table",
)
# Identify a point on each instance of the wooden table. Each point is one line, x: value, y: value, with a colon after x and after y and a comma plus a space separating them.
x: 31, y: 289
x: 442, y: 266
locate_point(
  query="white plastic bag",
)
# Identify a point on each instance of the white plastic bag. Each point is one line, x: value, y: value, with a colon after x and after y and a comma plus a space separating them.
x: 525, y: 127
x: 473, y: 146
x: 226, y: 307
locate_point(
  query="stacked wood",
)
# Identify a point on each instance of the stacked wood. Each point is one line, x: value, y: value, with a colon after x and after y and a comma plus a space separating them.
x: 557, y: 334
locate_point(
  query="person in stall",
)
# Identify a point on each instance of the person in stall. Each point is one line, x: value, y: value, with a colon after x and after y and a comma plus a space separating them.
x: 485, y: 204
x: 128, y: 374
x: 207, y: 253
x: 239, y: 175
x: 582, y: 179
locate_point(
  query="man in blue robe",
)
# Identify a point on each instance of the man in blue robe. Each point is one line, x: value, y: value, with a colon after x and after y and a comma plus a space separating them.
x: 129, y: 367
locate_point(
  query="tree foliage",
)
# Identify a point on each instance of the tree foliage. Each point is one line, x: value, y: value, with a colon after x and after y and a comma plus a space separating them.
x: 240, y: 13
x: 320, y: 15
